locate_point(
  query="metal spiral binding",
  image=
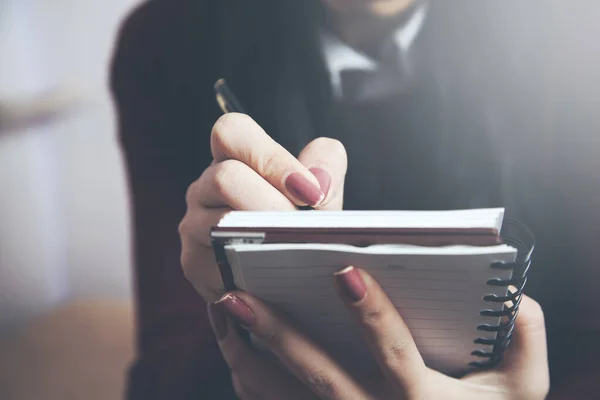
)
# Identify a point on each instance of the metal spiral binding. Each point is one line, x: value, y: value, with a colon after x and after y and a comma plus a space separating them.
x: 519, y: 236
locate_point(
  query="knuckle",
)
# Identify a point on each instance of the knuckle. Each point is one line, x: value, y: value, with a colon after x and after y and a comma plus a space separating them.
x: 186, y: 267
x: 192, y: 193
x: 373, y: 317
x: 322, y: 383
x: 189, y: 264
x: 183, y: 227
x: 397, y: 353
x: 223, y: 133
x: 220, y: 135
x: 186, y: 264
x: 191, y: 228
x: 267, y: 163
x: 224, y: 173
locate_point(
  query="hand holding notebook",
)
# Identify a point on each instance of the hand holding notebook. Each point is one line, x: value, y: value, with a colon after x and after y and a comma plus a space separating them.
x: 446, y: 272
x: 309, y: 369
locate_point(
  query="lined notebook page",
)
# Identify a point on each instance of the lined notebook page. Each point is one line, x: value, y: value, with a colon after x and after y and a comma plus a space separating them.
x: 438, y: 291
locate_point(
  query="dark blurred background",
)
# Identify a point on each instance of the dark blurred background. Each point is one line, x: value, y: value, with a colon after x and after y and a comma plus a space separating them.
x: 66, y: 327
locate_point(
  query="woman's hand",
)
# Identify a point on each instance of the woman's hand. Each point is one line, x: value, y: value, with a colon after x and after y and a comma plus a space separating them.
x: 250, y: 171
x: 311, y: 373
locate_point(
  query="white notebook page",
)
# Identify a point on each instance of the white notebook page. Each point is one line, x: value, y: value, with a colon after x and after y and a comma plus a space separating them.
x: 489, y: 218
x: 438, y: 291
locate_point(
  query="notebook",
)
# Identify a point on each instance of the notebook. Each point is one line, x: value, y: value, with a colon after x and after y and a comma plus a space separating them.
x: 447, y: 273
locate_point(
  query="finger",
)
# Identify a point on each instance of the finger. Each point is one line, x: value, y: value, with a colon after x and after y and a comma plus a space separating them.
x: 254, y: 375
x: 310, y: 364
x: 384, y: 330
x: 527, y: 355
x: 238, y: 137
x: 234, y: 184
x: 197, y: 223
x: 327, y: 160
x: 194, y: 233
x: 204, y: 276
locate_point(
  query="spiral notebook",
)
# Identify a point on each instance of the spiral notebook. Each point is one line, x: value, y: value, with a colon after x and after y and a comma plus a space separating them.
x: 447, y: 272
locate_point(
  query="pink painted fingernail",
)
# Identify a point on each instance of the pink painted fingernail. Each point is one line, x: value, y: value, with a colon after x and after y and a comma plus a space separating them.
x: 217, y: 321
x: 324, y: 179
x: 303, y: 189
x: 352, y: 284
x: 236, y: 309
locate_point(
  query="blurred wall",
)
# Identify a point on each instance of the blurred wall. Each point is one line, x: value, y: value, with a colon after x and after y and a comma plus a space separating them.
x: 64, y: 220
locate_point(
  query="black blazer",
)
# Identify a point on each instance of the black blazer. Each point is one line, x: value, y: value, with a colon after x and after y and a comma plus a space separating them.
x: 499, y: 89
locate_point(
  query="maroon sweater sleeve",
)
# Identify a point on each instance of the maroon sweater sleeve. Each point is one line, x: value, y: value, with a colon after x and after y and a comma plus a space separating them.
x: 177, y: 355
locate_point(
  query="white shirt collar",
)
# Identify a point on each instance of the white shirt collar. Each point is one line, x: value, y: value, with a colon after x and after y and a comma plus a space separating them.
x: 339, y: 56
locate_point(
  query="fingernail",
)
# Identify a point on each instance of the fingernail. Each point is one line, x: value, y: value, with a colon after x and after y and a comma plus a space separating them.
x: 236, y: 309
x: 217, y: 321
x: 324, y: 179
x: 303, y: 189
x: 351, y: 284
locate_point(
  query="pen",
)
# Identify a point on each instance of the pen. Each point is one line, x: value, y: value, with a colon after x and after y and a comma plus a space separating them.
x: 229, y: 103
x: 226, y: 99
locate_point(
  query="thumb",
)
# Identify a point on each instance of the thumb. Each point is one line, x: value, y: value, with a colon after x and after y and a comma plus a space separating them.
x: 527, y: 355
x: 327, y: 160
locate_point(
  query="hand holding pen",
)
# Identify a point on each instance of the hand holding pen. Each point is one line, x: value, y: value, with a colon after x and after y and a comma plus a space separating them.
x: 229, y: 103
x: 251, y: 172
